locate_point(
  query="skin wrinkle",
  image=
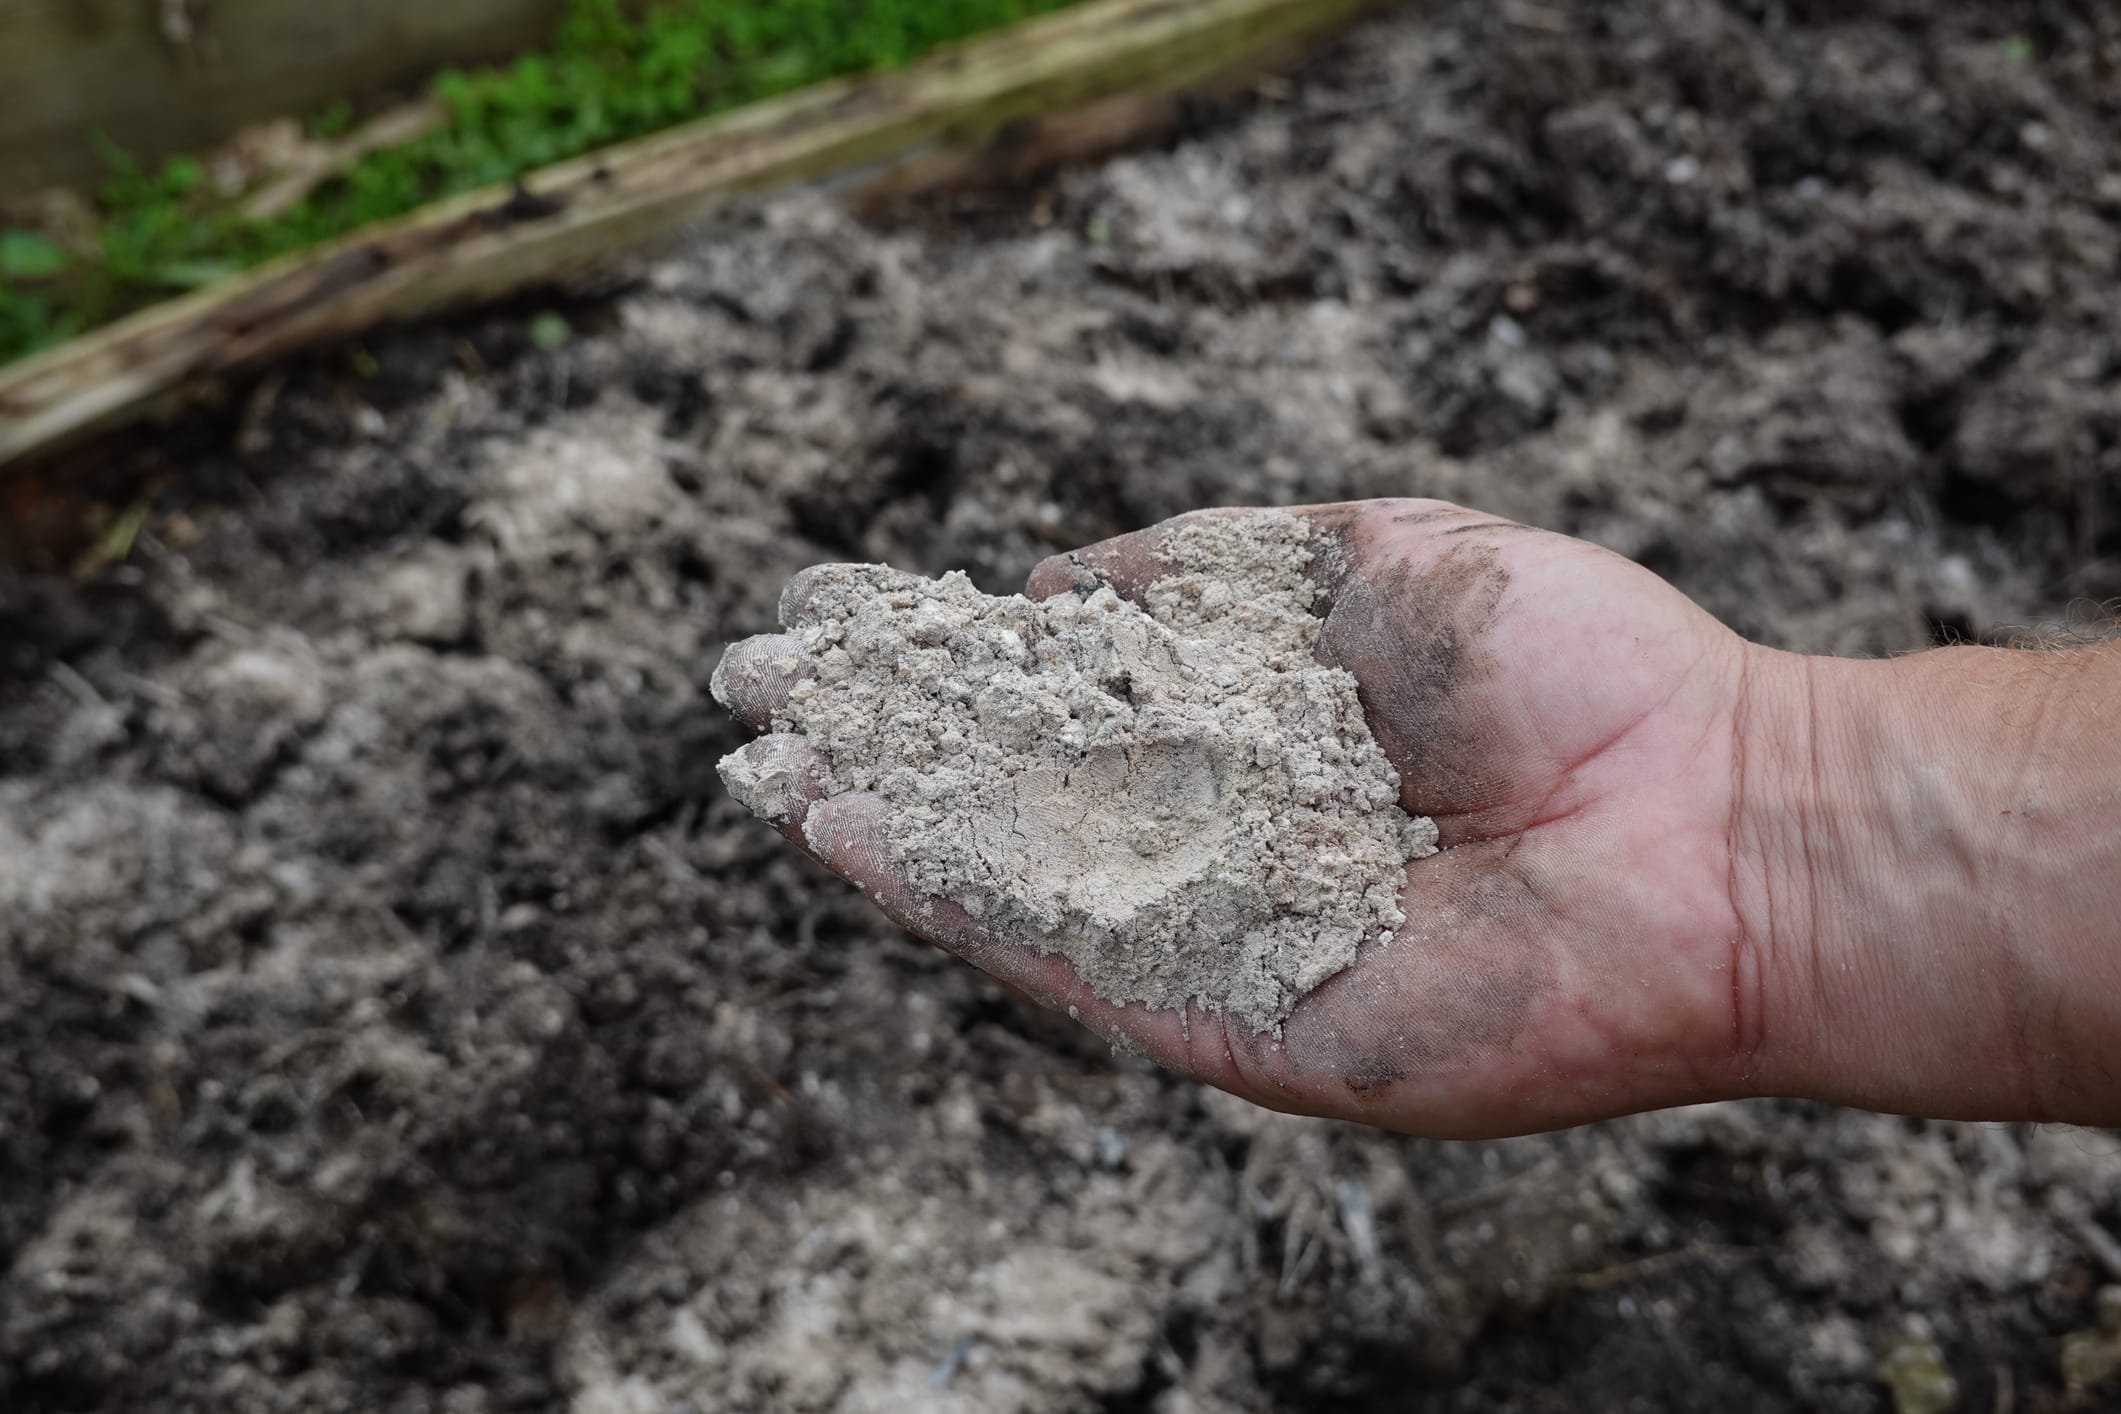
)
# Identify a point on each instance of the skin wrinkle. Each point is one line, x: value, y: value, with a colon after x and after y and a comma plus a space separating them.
x: 1542, y: 814
x: 1565, y: 778
x: 2022, y: 797
x: 1243, y: 1064
x: 846, y: 835
x: 1808, y: 807
x: 2013, y: 987
x: 2088, y: 1076
x: 1082, y: 578
x: 2011, y: 939
x: 1748, y: 965
x: 1504, y: 526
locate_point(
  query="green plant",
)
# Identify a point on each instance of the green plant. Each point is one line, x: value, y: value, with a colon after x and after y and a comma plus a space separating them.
x: 28, y: 317
x: 336, y: 119
x: 25, y: 255
x: 608, y: 75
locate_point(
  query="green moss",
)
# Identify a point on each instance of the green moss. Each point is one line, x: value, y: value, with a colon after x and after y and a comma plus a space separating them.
x: 607, y: 76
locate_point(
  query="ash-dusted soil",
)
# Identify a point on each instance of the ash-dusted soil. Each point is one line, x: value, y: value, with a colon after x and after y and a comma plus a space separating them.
x: 395, y: 1012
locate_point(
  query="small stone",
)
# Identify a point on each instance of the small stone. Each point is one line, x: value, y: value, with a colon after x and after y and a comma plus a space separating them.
x: 1914, y: 1369
x: 427, y: 600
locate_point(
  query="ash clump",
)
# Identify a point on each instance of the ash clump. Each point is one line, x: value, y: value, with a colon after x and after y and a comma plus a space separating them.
x: 1178, y: 798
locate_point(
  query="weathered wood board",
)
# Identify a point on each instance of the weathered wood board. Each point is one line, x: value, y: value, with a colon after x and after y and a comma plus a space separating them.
x: 582, y: 214
x: 163, y: 76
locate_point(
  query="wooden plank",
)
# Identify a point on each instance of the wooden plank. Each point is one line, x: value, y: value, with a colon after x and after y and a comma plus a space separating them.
x: 165, y: 76
x: 581, y: 214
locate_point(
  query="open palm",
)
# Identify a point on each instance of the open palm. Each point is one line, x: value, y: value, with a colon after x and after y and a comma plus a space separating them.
x: 1573, y: 724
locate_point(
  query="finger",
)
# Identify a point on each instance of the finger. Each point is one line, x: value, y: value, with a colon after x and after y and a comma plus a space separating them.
x: 1335, y: 1059
x: 1416, y: 641
x: 778, y: 778
x: 1417, y: 622
x: 1131, y: 563
x: 848, y: 834
x: 756, y: 675
x: 797, y: 594
x: 1128, y: 563
x: 805, y: 593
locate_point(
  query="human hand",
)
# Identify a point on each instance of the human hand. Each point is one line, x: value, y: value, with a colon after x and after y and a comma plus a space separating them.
x: 1570, y: 722
x: 1627, y: 912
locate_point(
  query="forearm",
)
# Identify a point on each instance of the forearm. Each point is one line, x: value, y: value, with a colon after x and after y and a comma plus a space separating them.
x: 1937, y: 893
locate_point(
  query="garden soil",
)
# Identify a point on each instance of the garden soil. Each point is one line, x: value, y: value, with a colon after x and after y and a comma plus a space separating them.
x: 396, y: 1013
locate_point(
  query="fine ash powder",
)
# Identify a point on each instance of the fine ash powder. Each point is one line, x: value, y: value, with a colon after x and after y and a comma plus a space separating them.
x: 1181, y: 801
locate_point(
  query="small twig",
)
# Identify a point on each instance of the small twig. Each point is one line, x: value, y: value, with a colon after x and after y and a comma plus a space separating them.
x: 1358, y: 1214
x: 180, y: 26
x: 1355, y: 105
x: 954, y: 1360
x: 691, y: 458
x: 161, y: 694
x: 1658, y: 1262
x: 78, y: 687
x: 1543, y: 18
x: 1305, y: 1260
x: 771, y: 1086
x: 1459, y: 1203
x: 672, y: 859
x: 321, y: 162
x: 228, y: 630
x: 116, y: 543
x: 252, y: 437
x: 2095, y: 1237
x: 1294, y: 1248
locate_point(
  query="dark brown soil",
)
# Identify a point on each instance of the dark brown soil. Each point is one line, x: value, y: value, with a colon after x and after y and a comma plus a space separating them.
x: 398, y: 1016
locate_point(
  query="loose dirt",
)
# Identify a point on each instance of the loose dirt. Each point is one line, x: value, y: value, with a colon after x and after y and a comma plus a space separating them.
x: 1178, y: 798
x: 397, y: 1013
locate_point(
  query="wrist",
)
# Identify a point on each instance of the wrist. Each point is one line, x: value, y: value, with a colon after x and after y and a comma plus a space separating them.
x: 1927, y: 866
